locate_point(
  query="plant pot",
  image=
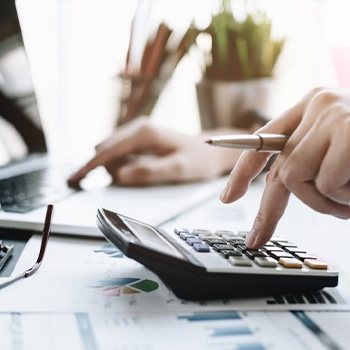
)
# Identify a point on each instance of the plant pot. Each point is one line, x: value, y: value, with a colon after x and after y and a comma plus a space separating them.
x: 238, y: 104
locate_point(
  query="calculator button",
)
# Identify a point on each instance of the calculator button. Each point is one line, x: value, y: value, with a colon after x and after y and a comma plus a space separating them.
x: 278, y: 255
x: 234, y: 241
x: 266, y: 261
x: 295, y: 250
x: 201, y: 232
x: 206, y: 236
x: 225, y: 232
x: 277, y: 239
x: 180, y: 230
x: 228, y: 253
x: 185, y: 235
x: 193, y: 240
x: 240, y: 261
x: 242, y: 233
x: 250, y: 253
x: 273, y: 249
x: 303, y: 256
x: 316, y: 264
x: 241, y: 247
x: 269, y: 244
x: 201, y: 247
x: 219, y: 247
x: 290, y: 263
x: 286, y: 244
x: 212, y: 241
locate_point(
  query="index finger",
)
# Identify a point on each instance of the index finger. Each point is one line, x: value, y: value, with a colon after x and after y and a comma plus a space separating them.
x: 117, y: 149
x: 251, y: 163
x: 273, y: 204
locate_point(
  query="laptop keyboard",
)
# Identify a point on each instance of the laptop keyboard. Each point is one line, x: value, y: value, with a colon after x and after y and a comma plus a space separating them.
x: 25, y: 192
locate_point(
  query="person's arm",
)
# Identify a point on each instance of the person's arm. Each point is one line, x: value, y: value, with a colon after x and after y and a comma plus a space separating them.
x: 139, y: 153
x: 314, y: 165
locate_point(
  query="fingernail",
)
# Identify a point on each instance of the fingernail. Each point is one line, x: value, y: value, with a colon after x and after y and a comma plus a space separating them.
x: 225, y: 192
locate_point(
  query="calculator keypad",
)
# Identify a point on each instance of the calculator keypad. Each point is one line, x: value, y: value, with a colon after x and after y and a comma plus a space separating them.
x: 278, y: 252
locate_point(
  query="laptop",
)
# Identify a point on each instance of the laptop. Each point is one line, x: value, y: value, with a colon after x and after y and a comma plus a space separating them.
x: 28, y: 181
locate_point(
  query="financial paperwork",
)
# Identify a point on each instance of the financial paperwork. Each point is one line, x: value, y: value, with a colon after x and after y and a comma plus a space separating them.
x: 212, y: 330
x: 92, y: 276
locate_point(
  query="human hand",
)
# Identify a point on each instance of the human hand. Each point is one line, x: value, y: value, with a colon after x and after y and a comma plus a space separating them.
x: 314, y: 165
x: 174, y: 157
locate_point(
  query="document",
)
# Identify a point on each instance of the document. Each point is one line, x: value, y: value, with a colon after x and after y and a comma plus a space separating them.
x: 211, y: 330
x: 92, y: 276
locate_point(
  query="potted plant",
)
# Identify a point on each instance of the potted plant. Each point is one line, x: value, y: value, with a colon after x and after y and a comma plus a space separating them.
x: 237, y: 70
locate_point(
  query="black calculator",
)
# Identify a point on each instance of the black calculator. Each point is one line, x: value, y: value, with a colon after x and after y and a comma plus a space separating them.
x: 204, y: 264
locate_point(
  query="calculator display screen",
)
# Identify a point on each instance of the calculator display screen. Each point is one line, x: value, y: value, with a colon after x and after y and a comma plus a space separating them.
x: 151, y: 238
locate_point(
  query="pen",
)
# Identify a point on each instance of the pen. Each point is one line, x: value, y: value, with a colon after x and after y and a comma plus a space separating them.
x: 257, y: 142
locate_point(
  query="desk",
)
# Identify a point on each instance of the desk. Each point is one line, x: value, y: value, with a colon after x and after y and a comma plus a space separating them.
x: 88, y: 296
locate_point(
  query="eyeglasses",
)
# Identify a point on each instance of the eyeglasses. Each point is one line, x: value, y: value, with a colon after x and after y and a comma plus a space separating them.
x: 44, y: 240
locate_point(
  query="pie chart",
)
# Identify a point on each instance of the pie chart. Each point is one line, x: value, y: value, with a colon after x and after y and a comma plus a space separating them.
x: 126, y: 285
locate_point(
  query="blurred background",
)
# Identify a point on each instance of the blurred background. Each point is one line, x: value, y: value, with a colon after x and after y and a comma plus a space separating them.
x: 78, y: 50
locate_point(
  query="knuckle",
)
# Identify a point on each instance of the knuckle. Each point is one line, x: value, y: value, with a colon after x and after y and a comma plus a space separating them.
x: 325, y: 187
x: 180, y: 167
x: 145, y: 129
x: 272, y: 176
x: 287, y: 177
x: 144, y: 172
x: 316, y: 91
x: 325, y: 97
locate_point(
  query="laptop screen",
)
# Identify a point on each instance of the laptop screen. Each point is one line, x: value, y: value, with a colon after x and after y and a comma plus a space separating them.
x: 20, y: 130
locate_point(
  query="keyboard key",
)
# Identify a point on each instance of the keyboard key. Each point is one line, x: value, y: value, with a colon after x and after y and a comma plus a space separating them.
x: 197, y: 232
x: 212, y: 241
x: 201, y: 247
x: 193, y: 240
x: 316, y: 264
x: 186, y: 235
x: 269, y: 244
x: 303, y: 256
x: 290, y: 263
x: 250, y: 253
x: 227, y: 253
x: 240, y: 261
x: 266, y: 261
x: 278, y: 255
x: 219, y: 247
x: 181, y: 230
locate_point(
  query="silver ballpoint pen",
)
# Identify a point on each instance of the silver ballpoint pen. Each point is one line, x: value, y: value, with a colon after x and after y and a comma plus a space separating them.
x: 258, y: 142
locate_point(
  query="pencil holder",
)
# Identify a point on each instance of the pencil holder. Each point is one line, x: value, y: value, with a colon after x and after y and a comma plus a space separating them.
x: 139, y: 95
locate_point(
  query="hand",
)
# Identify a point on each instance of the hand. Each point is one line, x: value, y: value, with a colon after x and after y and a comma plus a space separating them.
x: 314, y: 165
x: 141, y: 154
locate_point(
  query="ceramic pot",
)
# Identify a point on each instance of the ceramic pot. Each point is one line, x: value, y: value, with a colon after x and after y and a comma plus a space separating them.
x: 237, y: 104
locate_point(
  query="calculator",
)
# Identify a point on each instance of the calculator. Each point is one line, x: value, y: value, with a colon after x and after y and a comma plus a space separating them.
x: 201, y: 264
